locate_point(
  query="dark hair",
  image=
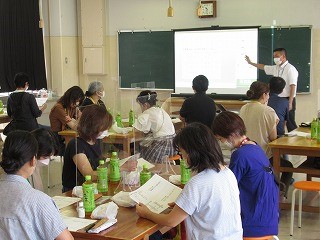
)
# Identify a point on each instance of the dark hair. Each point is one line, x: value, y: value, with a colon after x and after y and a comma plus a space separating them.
x: 227, y: 124
x: 20, y: 80
x: 147, y: 97
x: 200, y: 83
x: 257, y: 89
x: 71, y: 96
x: 18, y: 149
x: 47, y: 142
x: 282, y: 50
x: 201, y: 146
x: 277, y: 84
x: 94, y: 119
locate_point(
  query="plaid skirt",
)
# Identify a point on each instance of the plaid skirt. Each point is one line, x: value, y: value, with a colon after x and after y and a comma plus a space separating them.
x: 157, y: 148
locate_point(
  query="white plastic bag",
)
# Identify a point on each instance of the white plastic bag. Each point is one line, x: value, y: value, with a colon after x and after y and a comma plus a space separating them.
x: 108, y: 210
x: 123, y: 199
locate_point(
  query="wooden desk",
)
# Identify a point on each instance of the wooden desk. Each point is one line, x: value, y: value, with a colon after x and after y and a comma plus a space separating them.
x: 295, y: 146
x: 129, y: 224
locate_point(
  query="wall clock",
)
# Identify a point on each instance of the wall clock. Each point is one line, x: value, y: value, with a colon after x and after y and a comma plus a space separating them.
x: 207, y: 9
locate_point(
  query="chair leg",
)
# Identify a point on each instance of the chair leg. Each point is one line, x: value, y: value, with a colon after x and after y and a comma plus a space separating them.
x: 292, y: 210
x: 300, y: 208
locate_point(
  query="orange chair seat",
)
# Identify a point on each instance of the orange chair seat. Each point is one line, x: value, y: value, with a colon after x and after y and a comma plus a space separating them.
x: 258, y: 238
x: 307, y: 185
x: 175, y: 157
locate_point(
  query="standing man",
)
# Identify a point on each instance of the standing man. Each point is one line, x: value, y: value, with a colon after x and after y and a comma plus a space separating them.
x: 200, y: 107
x: 289, y: 73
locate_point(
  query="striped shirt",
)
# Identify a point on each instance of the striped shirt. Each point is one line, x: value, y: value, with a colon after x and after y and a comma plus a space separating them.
x: 27, y: 213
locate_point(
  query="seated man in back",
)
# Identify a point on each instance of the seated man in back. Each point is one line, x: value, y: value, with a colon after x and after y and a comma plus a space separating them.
x: 279, y: 104
x: 200, y: 107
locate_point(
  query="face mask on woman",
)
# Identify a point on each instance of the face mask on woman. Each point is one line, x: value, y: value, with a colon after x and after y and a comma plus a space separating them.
x: 44, y: 161
x: 227, y: 145
x: 101, y: 94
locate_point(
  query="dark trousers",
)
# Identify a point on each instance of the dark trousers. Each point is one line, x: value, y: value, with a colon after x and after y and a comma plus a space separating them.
x: 285, y: 176
x: 291, y: 123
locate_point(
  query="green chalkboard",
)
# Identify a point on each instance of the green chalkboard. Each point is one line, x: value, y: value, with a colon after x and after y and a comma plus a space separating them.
x: 149, y: 56
x: 146, y: 57
x: 297, y: 42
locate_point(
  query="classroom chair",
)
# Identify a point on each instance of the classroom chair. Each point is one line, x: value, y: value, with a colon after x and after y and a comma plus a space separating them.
x: 301, y: 186
x: 261, y: 238
x: 54, y: 159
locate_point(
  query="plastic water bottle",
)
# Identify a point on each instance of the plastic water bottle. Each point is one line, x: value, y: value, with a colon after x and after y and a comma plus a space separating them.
x: 1, y: 107
x: 314, y: 129
x: 145, y: 175
x: 102, y: 184
x: 81, y: 212
x: 88, y: 195
x: 318, y: 130
x: 131, y: 118
x: 185, y: 172
x: 114, y: 168
x: 119, y: 120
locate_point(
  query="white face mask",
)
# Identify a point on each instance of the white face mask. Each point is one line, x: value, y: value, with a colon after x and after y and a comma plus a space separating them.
x: 277, y: 61
x: 103, y: 134
x: 44, y: 161
x: 101, y: 94
x: 227, y: 145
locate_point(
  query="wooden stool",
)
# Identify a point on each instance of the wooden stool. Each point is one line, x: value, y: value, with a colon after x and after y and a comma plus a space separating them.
x: 174, y: 158
x: 261, y: 238
x: 301, y: 186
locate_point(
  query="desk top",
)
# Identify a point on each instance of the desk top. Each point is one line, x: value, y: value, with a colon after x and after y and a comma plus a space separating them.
x: 296, y: 142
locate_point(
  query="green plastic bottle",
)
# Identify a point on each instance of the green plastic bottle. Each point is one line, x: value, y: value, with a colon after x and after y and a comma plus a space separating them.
x: 185, y: 172
x: 119, y: 120
x: 114, y: 168
x: 145, y: 175
x: 131, y: 118
x: 314, y: 129
x: 318, y: 130
x: 102, y: 184
x: 1, y: 107
x: 88, y: 195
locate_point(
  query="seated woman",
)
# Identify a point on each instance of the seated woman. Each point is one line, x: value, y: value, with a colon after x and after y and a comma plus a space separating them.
x: 47, y: 146
x: 157, y: 122
x: 84, y: 152
x: 94, y: 94
x: 22, y: 106
x: 259, y: 193
x: 261, y: 124
x: 209, y: 202
x: 26, y: 213
x: 64, y: 114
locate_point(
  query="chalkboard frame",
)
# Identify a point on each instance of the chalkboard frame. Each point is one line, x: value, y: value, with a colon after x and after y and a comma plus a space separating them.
x: 159, y: 63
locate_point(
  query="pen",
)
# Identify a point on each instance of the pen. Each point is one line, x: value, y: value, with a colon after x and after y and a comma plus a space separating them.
x: 87, y: 228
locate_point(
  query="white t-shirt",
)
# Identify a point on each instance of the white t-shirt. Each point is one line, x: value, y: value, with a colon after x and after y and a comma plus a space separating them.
x: 288, y: 72
x: 155, y: 120
x: 212, y: 202
x: 259, y: 120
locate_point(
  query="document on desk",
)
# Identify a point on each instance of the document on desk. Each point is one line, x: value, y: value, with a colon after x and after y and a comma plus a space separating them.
x: 62, y: 201
x: 74, y: 223
x: 41, y: 101
x: 156, y: 194
x: 298, y: 133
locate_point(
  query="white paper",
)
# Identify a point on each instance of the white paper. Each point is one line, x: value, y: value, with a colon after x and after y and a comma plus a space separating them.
x: 175, y: 120
x: 156, y: 194
x: 41, y: 101
x: 75, y: 224
x: 298, y: 133
x: 62, y: 202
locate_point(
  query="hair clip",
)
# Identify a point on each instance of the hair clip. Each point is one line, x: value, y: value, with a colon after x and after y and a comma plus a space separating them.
x: 149, y: 96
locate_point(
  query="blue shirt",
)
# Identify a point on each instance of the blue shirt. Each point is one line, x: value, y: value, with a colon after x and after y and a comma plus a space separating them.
x: 281, y: 107
x: 259, y: 194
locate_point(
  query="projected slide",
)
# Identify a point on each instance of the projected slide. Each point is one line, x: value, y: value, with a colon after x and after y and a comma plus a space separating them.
x: 217, y: 54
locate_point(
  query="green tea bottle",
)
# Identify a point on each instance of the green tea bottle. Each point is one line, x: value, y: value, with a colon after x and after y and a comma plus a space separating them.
x: 88, y: 195
x: 114, y: 168
x: 131, y: 118
x: 102, y: 184
x: 185, y: 172
x: 314, y: 129
x: 119, y: 120
x: 145, y: 175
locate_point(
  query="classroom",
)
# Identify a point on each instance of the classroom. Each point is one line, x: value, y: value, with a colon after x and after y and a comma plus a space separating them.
x: 74, y: 35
